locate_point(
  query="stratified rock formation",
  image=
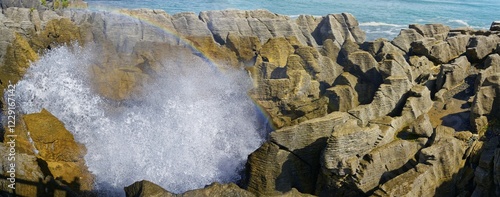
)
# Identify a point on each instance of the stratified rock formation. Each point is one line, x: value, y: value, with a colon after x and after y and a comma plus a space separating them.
x: 415, y: 116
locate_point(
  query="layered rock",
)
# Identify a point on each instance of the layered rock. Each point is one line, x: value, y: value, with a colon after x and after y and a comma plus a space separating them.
x: 452, y: 75
x: 146, y: 188
x: 56, y: 146
x: 481, y: 46
x: 436, y: 172
x: 396, y: 120
x: 291, y: 158
x: 352, y: 117
x: 260, y: 23
x: 48, y: 159
x: 441, y: 51
x: 43, y: 5
x: 340, y: 28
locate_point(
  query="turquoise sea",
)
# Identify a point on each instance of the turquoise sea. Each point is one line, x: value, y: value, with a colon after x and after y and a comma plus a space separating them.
x: 379, y: 18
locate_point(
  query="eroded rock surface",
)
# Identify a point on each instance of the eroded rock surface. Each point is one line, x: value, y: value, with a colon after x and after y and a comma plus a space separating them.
x: 415, y: 116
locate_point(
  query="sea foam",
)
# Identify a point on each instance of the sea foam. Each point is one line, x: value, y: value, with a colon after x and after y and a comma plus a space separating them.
x: 194, y: 125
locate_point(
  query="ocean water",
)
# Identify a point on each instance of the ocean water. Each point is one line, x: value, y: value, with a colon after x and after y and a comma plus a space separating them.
x: 379, y: 18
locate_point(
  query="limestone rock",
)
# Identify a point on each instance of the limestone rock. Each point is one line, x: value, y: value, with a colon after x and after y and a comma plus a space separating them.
x: 487, y: 88
x: 495, y: 26
x: 322, y: 69
x: 20, y: 20
x: 486, y: 102
x: 149, y: 33
x: 348, y: 159
x: 342, y: 98
x: 245, y: 47
x: 260, y: 23
x: 379, y: 163
x: 452, y: 75
x: 291, y: 159
x: 274, y: 171
x: 117, y: 83
x: 348, y: 142
x: 422, y: 126
x: 386, y: 98
x: 434, y: 175
x: 291, y: 95
x: 17, y: 59
x: 309, y: 135
x: 458, y: 45
x: 481, y: 46
x: 339, y: 27
x: 418, y: 103
x: 57, y: 32
x: 486, y: 174
x: 395, y: 65
x: 268, y: 70
x: 209, y: 48
x: 307, y: 24
x: 6, y: 39
x: 189, y: 24
x: 295, y: 193
x: 58, y: 148
x: 77, y: 4
x: 145, y: 188
x: 217, y: 189
x: 421, y: 68
x: 276, y: 51
x: 437, y: 31
x: 363, y: 64
x: 441, y: 51
x: 26, y: 169
x: 382, y: 49
x: 331, y: 49
x: 47, y: 16
x: 349, y: 46
x: 356, y: 32
x: 21, y: 4
x: 424, y: 46
x: 366, y: 68
x: 492, y: 67
x: 405, y: 38
x: 26, y: 165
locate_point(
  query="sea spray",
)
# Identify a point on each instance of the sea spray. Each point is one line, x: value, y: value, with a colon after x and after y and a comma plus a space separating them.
x: 192, y: 126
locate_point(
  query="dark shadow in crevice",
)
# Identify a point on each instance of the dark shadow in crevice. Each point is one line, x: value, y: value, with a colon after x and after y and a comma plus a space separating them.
x: 45, y: 188
x: 458, y: 121
x: 302, y: 168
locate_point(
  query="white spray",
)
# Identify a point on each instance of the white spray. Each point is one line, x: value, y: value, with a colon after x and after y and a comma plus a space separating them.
x: 192, y: 126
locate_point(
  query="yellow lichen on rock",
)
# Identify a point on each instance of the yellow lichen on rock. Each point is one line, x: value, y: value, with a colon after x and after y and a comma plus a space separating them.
x: 57, y: 32
x: 17, y: 59
x: 276, y: 51
x: 211, y: 50
x: 57, y: 147
x: 51, y: 139
x: 246, y: 48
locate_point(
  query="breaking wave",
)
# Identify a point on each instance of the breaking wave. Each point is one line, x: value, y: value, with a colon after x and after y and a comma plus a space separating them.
x: 194, y: 125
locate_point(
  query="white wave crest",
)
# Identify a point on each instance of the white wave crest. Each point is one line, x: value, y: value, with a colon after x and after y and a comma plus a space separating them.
x: 459, y: 22
x: 380, y: 24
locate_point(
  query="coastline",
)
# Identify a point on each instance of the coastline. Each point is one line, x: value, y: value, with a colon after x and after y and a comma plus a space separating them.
x: 351, y: 117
